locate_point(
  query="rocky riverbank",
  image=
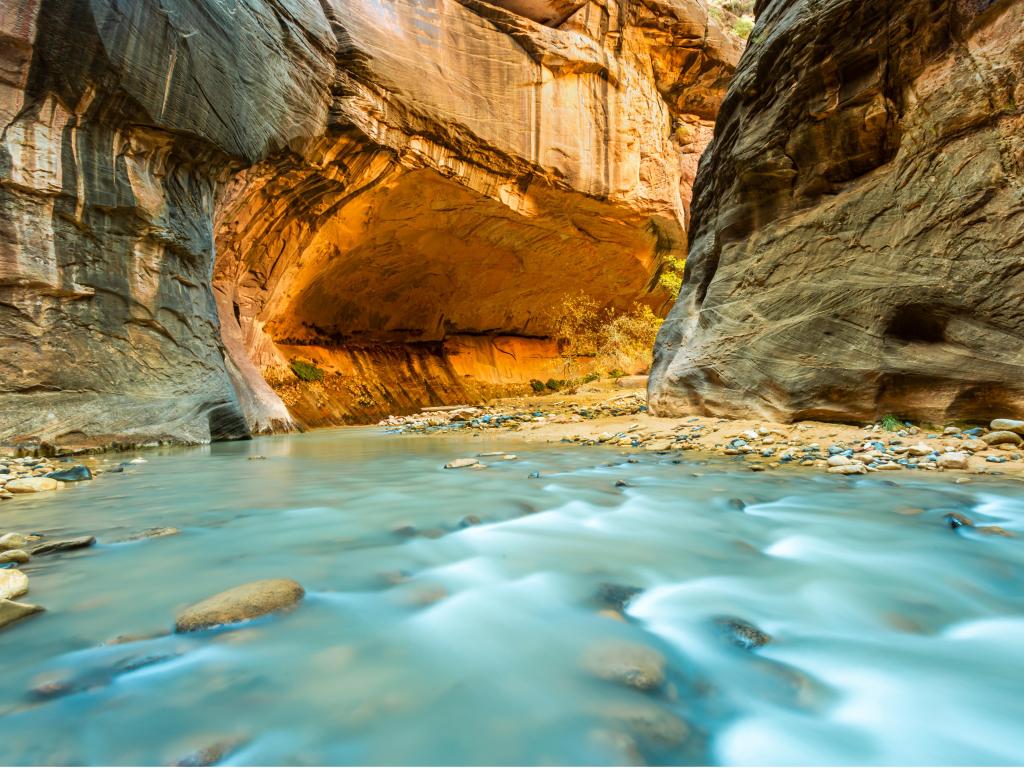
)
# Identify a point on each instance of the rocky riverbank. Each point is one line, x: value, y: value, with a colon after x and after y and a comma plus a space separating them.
x: 621, y: 419
x: 25, y: 476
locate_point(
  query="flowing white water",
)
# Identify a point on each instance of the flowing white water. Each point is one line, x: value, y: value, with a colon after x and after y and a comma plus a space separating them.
x: 894, y: 638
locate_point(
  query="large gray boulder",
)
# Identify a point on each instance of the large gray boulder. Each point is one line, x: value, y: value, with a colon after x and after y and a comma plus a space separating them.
x: 857, y: 233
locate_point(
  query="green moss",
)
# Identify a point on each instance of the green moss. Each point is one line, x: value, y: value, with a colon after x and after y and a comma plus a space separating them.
x: 307, y: 371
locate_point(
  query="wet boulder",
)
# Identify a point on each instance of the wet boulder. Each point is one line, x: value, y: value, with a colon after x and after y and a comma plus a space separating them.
x: 11, y: 611
x: 632, y: 664
x: 648, y: 722
x: 616, y: 596
x: 464, y: 464
x: 740, y: 633
x: 150, y: 533
x: 18, y: 556
x: 31, y: 485
x: 72, y: 475
x: 241, y: 603
x: 64, y: 545
x: 13, y: 583
x: 13, y: 541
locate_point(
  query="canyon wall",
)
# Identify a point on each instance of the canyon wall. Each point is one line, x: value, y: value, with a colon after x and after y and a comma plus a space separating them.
x: 192, y: 194
x: 857, y: 237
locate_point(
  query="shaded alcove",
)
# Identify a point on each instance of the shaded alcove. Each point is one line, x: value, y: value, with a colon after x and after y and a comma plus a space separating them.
x: 408, y: 288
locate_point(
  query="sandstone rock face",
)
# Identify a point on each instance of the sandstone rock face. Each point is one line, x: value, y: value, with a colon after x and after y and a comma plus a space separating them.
x: 857, y: 238
x: 186, y: 187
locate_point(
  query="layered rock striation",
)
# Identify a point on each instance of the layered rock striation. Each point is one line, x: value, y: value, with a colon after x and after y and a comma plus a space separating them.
x: 192, y: 195
x: 857, y: 238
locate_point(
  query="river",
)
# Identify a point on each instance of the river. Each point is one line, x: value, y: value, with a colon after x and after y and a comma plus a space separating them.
x: 894, y: 639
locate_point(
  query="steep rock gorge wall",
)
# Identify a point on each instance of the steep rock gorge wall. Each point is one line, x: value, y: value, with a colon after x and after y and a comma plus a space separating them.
x: 191, y: 191
x: 857, y: 243
x: 477, y: 167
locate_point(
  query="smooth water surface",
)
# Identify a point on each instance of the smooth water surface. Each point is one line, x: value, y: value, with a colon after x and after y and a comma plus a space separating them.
x: 895, y: 638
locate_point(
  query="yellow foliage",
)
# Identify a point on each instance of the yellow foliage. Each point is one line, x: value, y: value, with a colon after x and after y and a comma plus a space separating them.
x: 612, y: 341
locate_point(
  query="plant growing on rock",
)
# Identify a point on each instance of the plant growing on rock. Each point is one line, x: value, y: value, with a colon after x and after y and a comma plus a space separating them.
x: 671, y: 277
x: 307, y: 371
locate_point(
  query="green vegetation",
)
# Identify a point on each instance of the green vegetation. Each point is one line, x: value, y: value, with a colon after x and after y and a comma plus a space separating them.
x: 307, y: 371
x: 890, y: 423
x: 736, y: 15
x: 615, y: 373
x: 743, y: 26
x: 555, y: 384
x: 671, y: 277
x: 537, y: 385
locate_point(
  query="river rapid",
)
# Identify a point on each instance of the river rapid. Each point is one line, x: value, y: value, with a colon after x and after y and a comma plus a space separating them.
x: 894, y: 638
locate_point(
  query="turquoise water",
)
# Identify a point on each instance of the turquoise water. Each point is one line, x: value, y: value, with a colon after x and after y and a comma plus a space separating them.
x: 894, y: 638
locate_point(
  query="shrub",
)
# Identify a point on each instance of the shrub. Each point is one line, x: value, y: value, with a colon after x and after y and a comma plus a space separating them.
x: 538, y: 385
x: 554, y: 384
x: 626, y: 341
x: 671, y: 277
x: 743, y: 26
x: 890, y: 423
x: 307, y: 371
x: 613, y: 340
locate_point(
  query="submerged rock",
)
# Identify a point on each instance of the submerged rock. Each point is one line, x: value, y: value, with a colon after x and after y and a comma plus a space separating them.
x: 150, y: 533
x: 956, y: 520
x: 64, y: 545
x: 648, y: 722
x: 463, y: 464
x: 240, y: 603
x: 210, y: 755
x: 741, y: 633
x: 632, y: 664
x: 616, y: 596
x: 11, y: 611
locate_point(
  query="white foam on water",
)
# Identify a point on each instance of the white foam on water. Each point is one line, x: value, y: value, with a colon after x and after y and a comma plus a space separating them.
x: 1008, y: 513
x: 174, y: 665
x: 784, y: 740
x: 1002, y: 630
x: 912, y: 702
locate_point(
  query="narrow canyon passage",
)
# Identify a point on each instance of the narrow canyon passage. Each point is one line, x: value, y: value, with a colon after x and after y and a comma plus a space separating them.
x: 396, y: 194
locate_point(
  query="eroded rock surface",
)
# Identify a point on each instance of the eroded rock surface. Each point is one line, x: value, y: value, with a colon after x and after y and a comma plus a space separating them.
x: 857, y: 243
x: 366, y: 173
